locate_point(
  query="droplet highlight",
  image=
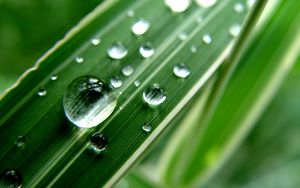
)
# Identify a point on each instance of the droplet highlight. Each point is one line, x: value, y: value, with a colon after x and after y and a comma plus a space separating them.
x: 147, y: 127
x: 79, y: 59
x: 181, y: 71
x: 146, y: 50
x: 154, y: 95
x: 117, y: 51
x: 54, y: 77
x: 116, y: 82
x: 182, y: 36
x: 11, y: 179
x: 140, y: 27
x: 239, y: 7
x: 130, y: 13
x: 42, y: 92
x: 178, y: 5
x: 206, y: 3
x: 95, y: 41
x: 88, y: 101
x: 207, y: 39
x: 137, y: 83
x: 235, y: 30
x: 128, y: 70
x: 193, y: 49
x: 98, y: 143
x: 20, y: 142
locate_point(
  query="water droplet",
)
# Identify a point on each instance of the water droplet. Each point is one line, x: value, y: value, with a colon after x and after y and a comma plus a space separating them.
x: 181, y: 71
x: 20, y: 142
x: 146, y: 50
x: 178, y: 5
x: 98, y: 143
x: 117, y: 51
x: 54, y: 77
x: 239, y: 7
x: 199, y: 19
x: 140, y: 27
x: 95, y: 41
x: 127, y: 70
x: 130, y: 13
x: 11, y: 179
x: 207, y: 39
x: 154, y: 95
x: 137, y: 83
x: 42, y: 92
x: 234, y: 30
x: 79, y: 59
x: 88, y: 101
x: 182, y: 36
x: 116, y: 82
x: 206, y: 3
x: 147, y: 127
x: 193, y: 49
x: 250, y: 3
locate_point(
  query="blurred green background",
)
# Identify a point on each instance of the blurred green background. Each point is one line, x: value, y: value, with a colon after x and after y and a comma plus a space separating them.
x: 29, y: 28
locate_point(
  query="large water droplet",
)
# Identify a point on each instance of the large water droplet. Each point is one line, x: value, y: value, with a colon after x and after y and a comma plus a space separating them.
x: 154, y: 95
x: 117, y: 51
x: 88, y: 101
x: 147, y: 127
x: 11, y: 179
x: 98, y: 142
x: 178, y: 5
x: 234, y: 30
x: 239, y: 7
x: 181, y: 71
x: 79, y: 59
x: 95, y: 41
x: 207, y: 39
x: 140, y: 27
x: 20, y: 142
x: 146, y: 50
x: 127, y: 70
x: 206, y: 3
x: 42, y: 92
x: 116, y: 82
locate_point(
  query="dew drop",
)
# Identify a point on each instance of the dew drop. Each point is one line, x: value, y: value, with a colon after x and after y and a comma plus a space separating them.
x: 182, y: 36
x: 130, y: 13
x: 199, y: 19
x: 154, y: 95
x: 137, y: 83
x: 146, y: 50
x: 178, y: 5
x: 140, y: 27
x: 42, y: 92
x: 79, y: 59
x: 20, y: 142
x: 239, y: 7
x: 193, y: 49
x: 128, y: 70
x: 116, y: 82
x: 147, y: 127
x: 11, y: 179
x: 207, y: 39
x: 88, y: 101
x: 117, y: 51
x: 95, y: 41
x: 98, y: 143
x: 206, y: 3
x: 54, y: 77
x: 181, y: 71
x: 234, y: 30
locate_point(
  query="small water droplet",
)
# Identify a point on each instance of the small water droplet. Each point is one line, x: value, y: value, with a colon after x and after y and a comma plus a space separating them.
x: 117, y: 51
x: 127, y: 70
x: 250, y: 3
x: 146, y: 50
x: 79, y: 59
x: 193, y: 49
x: 116, y: 82
x: 181, y: 71
x: 137, y: 83
x: 178, y: 5
x: 206, y: 3
x: 182, y: 36
x: 11, y: 179
x: 95, y: 41
x: 130, y: 13
x: 199, y: 19
x: 239, y: 7
x: 88, y: 101
x: 147, y: 127
x: 54, y: 77
x: 140, y: 27
x: 98, y: 143
x: 234, y: 30
x: 42, y: 92
x: 154, y: 95
x: 20, y: 142
x: 207, y: 39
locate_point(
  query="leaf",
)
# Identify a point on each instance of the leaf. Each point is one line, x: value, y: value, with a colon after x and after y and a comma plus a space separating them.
x: 56, y: 153
x: 262, y: 68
